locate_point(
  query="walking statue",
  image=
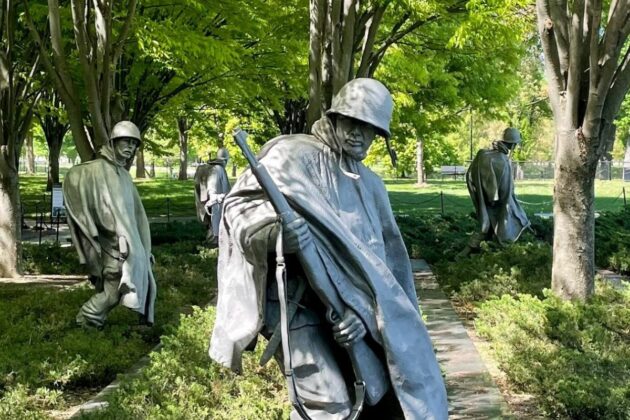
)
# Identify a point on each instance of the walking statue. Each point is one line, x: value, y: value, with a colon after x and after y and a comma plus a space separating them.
x: 110, y: 230
x: 348, y: 312
x: 211, y: 185
x: 491, y: 188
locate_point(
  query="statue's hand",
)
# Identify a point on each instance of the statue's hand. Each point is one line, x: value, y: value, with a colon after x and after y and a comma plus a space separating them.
x: 296, y: 236
x: 349, y: 329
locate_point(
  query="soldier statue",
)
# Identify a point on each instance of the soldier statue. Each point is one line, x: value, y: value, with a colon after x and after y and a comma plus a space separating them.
x: 211, y: 185
x: 344, y: 213
x: 110, y: 230
x: 491, y: 188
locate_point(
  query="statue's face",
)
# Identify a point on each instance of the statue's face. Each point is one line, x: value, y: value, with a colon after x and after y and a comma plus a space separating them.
x: 356, y: 136
x: 125, y: 148
x: 510, y: 146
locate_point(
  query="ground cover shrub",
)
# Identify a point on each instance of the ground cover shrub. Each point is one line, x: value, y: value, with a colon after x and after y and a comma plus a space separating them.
x: 50, y: 258
x: 523, y: 267
x: 435, y: 237
x: 46, y: 362
x: 41, y: 350
x: 181, y: 382
x: 612, y: 240
x: 176, y: 231
x: 573, y: 356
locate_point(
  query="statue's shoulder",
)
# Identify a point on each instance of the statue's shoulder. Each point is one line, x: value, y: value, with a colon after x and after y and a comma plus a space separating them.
x: 291, y: 143
x: 86, y: 166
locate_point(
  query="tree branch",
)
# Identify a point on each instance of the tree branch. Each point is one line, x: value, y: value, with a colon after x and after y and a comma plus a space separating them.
x: 89, y: 73
x: 577, y: 56
x: 552, y: 60
x: 369, y: 38
x: 124, y: 32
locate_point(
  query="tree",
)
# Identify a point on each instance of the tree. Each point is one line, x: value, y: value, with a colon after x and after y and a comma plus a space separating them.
x: 443, y: 68
x: 54, y: 125
x: 18, y: 96
x: 349, y: 38
x: 183, y: 126
x: 99, y: 37
x: 587, y: 62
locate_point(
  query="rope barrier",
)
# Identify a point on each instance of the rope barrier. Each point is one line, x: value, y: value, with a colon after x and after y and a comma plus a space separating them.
x: 535, y: 204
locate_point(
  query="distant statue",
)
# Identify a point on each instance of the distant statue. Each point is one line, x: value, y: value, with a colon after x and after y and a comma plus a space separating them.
x: 110, y: 230
x: 211, y: 185
x: 349, y: 284
x: 491, y: 188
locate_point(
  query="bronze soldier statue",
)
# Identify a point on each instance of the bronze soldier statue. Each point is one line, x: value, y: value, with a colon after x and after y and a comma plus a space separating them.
x: 345, y: 220
x: 110, y: 230
x: 491, y: 188
x: 211, y: 186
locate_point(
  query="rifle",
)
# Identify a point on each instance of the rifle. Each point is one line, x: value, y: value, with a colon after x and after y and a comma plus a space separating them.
x: 371, y: 378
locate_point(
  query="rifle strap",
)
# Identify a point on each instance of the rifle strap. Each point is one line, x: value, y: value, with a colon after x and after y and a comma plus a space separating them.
x: 298, y: 405
x: 281, y: 276
x: 276, y: 336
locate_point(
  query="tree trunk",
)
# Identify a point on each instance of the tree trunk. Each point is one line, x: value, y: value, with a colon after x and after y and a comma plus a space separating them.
x: 574, y: 221
x: 30, y: 153
x: 10, y: 223
x: 317, y: 21
x: 54, y: 131
x: 140, y: 167
x: 152, y: 169
x: 420, y: 162
x: 53, y: 162
x: 182, y: 127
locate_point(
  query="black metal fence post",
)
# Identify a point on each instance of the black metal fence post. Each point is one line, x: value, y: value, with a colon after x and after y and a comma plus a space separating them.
x: 57, y: 237
x: 623, y: 189
x: 442, y: 201
x: 36, y: 216
x: 41, y: 225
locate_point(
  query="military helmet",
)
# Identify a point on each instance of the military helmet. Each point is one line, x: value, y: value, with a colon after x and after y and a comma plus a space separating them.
x: 125, y: 129
x: 366, y: 100
x: 223, y: 154
x: 511, y: 135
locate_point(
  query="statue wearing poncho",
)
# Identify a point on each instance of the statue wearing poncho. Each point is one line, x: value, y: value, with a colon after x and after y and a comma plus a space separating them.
x: 211, y: 186
x: 348, y: 213
x: 105, y: 213
x: 491, y: 189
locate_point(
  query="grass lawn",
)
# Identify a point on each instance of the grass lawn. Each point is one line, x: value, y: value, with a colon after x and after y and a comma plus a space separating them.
x: 535, y: 196
x: 164, y: 196
x: 159, y: 196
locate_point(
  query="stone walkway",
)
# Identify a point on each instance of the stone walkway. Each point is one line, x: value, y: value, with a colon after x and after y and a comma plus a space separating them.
x: 54, y: 280
x: 472, y: 393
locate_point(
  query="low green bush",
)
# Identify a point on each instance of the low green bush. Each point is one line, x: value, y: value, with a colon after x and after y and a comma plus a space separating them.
x: 50, y: 258
x: 612, y: 236
x: 620, y: 261
x: 523, y: 267
x: 45, y: 359
x: 168, y: 233
x: 574, y: 356
x: 181, y: 382
x: 435, y: 237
